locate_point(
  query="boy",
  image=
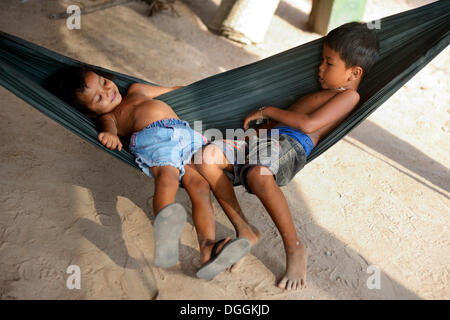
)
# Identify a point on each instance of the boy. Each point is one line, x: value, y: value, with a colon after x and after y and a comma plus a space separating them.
x: 348, y: 53
x: 163, y: 145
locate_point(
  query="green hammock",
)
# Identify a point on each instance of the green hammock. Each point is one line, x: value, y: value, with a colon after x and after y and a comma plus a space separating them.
x: 409, y: 41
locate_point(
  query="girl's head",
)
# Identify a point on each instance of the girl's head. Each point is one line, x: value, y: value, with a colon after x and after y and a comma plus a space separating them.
x: 91, y: 92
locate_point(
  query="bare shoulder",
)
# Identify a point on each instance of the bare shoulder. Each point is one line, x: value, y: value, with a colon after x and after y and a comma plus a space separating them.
x: 139, y: 88
x: 347, y: 99
x: 350, y: 99
x: 313, y: 101
x: 107, y: 120
x: 148, y: 90
x: 351, y: 95
x: 347, y: 94
x: 107, y: 117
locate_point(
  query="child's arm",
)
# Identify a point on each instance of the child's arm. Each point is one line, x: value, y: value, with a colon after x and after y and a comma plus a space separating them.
x: 149, y: 90
x: 334, y: 109
x: 108, y: 132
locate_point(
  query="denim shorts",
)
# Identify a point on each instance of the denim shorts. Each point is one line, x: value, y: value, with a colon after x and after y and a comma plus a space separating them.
x: 283, y: 156
x: 165, y: 142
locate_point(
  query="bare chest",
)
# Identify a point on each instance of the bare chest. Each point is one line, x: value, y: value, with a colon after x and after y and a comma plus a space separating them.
x: 135, y: 115
x: 312, y: 103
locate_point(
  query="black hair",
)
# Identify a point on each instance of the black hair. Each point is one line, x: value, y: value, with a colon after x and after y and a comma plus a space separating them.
x: 356, y: 44
x: 69, y: 82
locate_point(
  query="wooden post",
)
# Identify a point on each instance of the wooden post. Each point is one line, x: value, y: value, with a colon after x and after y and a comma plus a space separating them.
x: 327, y: 15
x: 221, y: 14
x: 249, y: 20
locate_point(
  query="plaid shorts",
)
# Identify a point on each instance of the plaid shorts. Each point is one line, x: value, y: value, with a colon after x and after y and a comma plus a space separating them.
x: 282, y: 155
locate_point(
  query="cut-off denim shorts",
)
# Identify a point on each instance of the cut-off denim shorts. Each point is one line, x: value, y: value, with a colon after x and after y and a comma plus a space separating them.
x: 283, y: 156
x: 165, y: 142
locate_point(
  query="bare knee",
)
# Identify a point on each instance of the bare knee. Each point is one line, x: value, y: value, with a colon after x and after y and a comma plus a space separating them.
x: 213, y: 160
x: 258, y: 177
x: 197, y: 187
x: 166, y: 178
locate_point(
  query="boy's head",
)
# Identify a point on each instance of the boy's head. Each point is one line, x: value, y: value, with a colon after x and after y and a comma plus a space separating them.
x: 349, y: 52
x: 91, y: 92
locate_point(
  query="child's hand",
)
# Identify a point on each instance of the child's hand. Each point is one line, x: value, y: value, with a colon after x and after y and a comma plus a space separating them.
x: 109, y: 140
x: 255, y: 115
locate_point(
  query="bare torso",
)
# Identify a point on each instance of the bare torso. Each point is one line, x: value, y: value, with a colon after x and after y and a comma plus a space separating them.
x: 138, y: 111
x: 309, y: 104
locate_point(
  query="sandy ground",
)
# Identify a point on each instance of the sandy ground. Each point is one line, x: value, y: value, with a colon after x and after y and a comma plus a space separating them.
x: 378, y: 197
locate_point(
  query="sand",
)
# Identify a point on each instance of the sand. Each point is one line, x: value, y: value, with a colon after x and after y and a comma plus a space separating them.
x: 377, y: 199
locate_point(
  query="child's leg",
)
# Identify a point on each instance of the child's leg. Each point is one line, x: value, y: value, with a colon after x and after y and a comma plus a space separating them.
x: 202, y: 211
x: 166, y: 186
x: 271, y: 196
x: 212, y: 168
x: 170, y: 216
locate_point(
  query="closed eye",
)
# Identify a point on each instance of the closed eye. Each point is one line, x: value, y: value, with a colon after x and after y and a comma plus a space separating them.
x: 326, y: 61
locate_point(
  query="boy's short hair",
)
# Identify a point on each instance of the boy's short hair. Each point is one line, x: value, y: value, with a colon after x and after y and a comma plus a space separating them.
x: 68, y: 82
x: 356, y: 43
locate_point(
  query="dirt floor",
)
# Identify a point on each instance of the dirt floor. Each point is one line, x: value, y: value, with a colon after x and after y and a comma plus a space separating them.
x: 378, y: 197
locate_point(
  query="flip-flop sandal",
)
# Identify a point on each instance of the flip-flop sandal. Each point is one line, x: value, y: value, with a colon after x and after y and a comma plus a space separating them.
x: 233, y: 251
x: 168, y: 226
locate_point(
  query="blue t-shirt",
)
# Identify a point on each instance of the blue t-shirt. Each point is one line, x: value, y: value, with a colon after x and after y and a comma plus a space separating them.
x: 301, y: 137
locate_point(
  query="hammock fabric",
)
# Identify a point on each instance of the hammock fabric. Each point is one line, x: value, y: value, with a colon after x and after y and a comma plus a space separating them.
x: 409, y: 41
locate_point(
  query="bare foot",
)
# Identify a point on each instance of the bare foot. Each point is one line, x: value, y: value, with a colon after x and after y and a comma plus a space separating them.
x: 253, y: 235
x: 295, y: 277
